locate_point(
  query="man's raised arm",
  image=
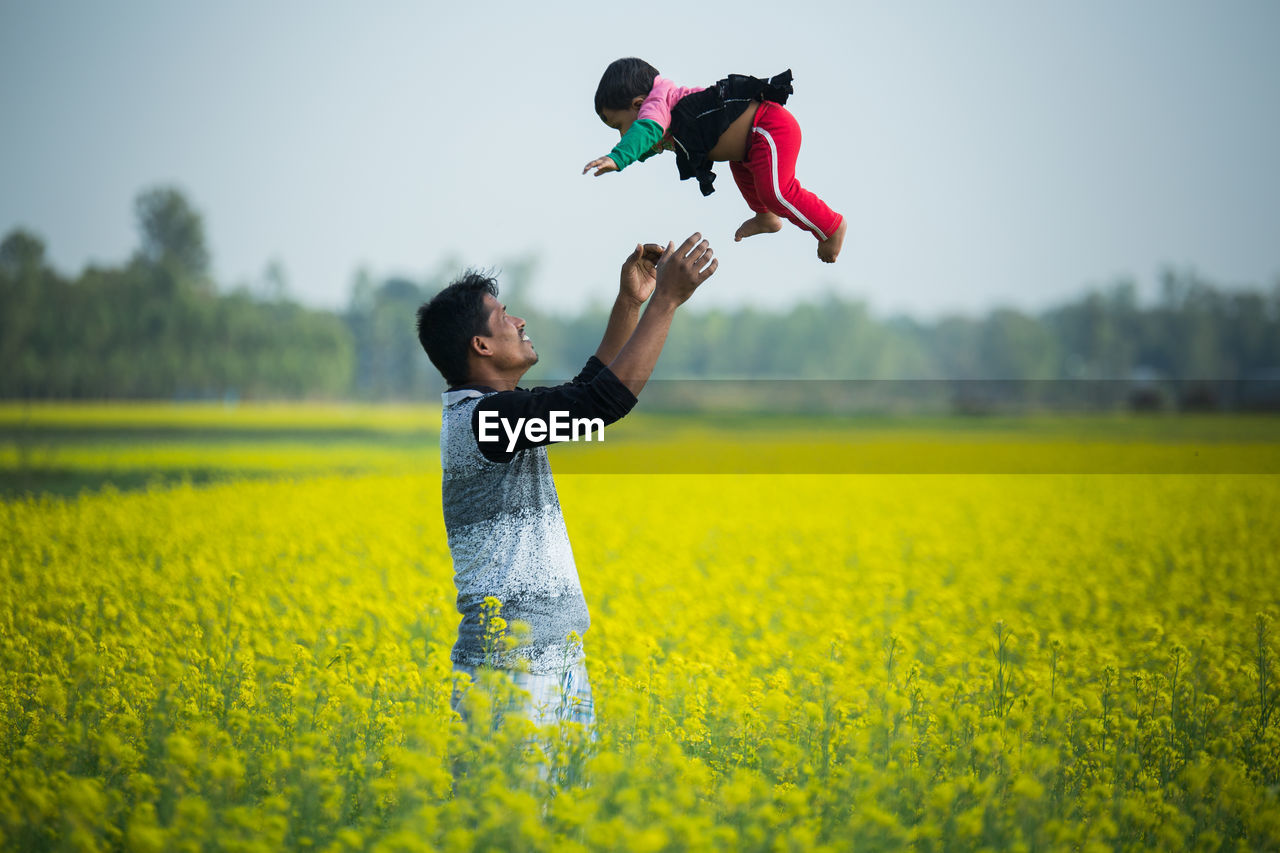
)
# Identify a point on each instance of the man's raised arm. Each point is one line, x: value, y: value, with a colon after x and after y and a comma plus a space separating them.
x: 635, y: 285
x: 678, y: 274
x: 632, y: 345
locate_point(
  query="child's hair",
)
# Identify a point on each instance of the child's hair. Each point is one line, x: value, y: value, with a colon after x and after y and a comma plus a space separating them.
x: 623, y: 81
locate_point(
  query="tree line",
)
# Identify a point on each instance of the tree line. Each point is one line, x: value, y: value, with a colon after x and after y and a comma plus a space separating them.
x: 157, y: 327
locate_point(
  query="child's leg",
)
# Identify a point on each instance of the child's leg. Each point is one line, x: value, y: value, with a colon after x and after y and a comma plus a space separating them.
x: 765, y: 221
x: 771, y: 160
x: 746, y: 185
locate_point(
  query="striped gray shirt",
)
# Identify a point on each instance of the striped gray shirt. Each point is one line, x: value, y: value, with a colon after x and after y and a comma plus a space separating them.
x: 507, y: 534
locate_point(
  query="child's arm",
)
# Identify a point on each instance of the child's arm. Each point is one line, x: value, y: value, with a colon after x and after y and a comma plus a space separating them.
x: 636, y: 145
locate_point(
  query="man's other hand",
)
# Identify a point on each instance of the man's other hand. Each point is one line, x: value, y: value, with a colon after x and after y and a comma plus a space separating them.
x: 682, y: 269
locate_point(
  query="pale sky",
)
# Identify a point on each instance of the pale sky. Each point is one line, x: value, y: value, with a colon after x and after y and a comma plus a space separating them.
x: 984, y: 153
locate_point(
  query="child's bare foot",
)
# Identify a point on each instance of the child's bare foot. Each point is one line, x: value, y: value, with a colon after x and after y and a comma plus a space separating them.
x: 763, y: 222
x: 829, y: 248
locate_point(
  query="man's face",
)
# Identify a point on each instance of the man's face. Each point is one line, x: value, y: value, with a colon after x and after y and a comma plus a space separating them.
x: 511, y: 347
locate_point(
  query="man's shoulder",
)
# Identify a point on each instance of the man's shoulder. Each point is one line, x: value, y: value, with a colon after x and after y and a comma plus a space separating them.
x: 453, y: 398
x: 457, y: 393
x: 472, y: 413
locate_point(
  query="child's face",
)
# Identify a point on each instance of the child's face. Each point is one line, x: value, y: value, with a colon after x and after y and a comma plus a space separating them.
x: 621, y: 120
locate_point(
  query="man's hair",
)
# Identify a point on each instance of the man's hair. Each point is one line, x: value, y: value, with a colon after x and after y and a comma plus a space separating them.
x: 448, y: 322
x: 622, y: 82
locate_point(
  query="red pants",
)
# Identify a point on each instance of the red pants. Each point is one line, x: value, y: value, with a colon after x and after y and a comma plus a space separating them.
x: 767, y: 175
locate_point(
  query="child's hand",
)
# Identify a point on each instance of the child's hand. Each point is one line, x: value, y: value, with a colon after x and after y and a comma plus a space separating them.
x: 601, y: 165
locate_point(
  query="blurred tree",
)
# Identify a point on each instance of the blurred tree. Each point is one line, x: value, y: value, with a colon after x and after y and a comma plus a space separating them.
x: 27, y: 327
x: 275, y: 282
x: 172, y: 231
x: 954, y: 343
x: 390, y: 362
x: 1098, y: 335
x: 156, y: 327
x: 20, y: 253
x: 1016, y: 346
x: 1183, y: 333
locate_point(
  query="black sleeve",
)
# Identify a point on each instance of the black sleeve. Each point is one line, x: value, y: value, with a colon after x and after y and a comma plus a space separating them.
x: 594, y: 393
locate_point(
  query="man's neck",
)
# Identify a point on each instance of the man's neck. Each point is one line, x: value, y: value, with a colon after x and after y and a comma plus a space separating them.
x: 492, y: 379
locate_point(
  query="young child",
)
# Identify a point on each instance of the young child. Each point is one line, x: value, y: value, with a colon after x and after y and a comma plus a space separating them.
x: 740, y: 119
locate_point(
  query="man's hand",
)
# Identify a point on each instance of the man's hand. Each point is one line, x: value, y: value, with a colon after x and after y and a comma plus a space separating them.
x: 640, y: 273
x: 601, y: 165
x: 681, y: 270
x: 678, y: 274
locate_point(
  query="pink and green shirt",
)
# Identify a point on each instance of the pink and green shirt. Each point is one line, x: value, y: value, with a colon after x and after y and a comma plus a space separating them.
x: 648, y: 132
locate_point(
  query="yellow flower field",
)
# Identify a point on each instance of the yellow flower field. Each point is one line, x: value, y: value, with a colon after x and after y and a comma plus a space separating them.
x: 780, y: 661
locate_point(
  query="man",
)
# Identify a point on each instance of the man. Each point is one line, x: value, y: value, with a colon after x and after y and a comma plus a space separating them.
x: 506, y: 533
